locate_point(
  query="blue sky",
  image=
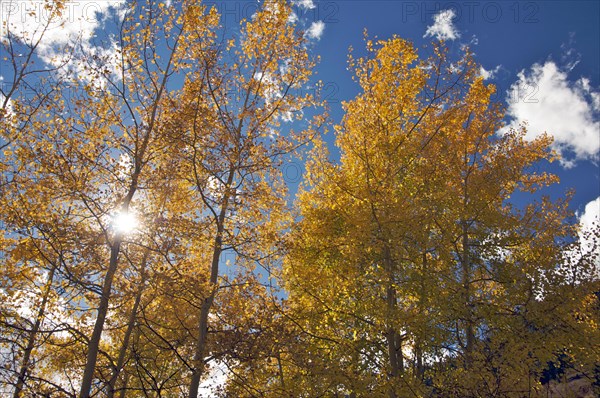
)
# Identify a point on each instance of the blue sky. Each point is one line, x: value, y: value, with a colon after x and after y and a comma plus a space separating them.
x: 543, y: 57
x: 553, y: 45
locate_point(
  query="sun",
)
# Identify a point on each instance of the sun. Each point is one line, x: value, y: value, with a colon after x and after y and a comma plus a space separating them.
x: 124, y: 222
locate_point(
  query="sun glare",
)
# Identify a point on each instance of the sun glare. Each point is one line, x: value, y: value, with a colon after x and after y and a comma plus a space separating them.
x: 124, y: 223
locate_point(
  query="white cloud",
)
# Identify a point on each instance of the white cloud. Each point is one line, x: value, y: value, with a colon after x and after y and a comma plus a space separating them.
x: 79, y: 19
x: 570, y: 57
x: 215, y: 380
x: 591, y: 215
x: 443, y: 28
x: 215, y: 188
x: 595, y: 101
x: 549, y: 102
x: 77, y: 23
x: 489, y: 74
x: 316, y: 30
x: 270, y: 87
x: 584, y: 84
x: 306, y: 4
x: 293, y: 18
x: 6, y: 110
x: 453, y: 68
x: 589, y: 221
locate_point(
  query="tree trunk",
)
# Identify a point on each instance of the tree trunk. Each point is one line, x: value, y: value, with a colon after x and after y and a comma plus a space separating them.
x: 127, y: 375
x: 394, y: 341
x: 115, y: 248
x: 32, y: 335
x: 208, y: 301
x: 130, y: 326
x: 203, y: 322
x: 94, y: 343
x: 466, y: 282
x: 395, y: 360
x: 355, y: 365
x: 124, y: 387
x: 280, y: 369
x: 421, y: 332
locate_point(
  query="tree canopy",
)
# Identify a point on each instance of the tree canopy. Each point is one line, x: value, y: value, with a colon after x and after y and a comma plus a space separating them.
x: 149, y: 238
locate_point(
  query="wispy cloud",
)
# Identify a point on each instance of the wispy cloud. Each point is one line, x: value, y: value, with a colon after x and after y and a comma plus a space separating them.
x: 315, y: 31
x: 489, y: 74
x: 78, y: 21
x: 306, y: 4
x: 77, y: 24
x: 443, y: 28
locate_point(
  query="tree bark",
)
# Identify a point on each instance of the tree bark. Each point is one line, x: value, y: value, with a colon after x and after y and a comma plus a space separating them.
x: 130, y: 325
x: 394, y: 341
x: 32, y: 335
x: 421, y: 332
x: 203, y: 322
x: 94, y: 343
x: 280, y: 369
x: 208, y: 301
x: 466, y: 285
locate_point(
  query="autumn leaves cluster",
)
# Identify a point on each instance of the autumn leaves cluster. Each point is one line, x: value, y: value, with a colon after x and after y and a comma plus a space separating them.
x: 401, y: 270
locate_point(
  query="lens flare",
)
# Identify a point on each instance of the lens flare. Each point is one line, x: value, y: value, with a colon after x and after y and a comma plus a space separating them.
x: 124, y: 223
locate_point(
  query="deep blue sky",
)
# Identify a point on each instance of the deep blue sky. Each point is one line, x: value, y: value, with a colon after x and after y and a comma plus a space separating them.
x: 546, y: 54
x: 513, y: 34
